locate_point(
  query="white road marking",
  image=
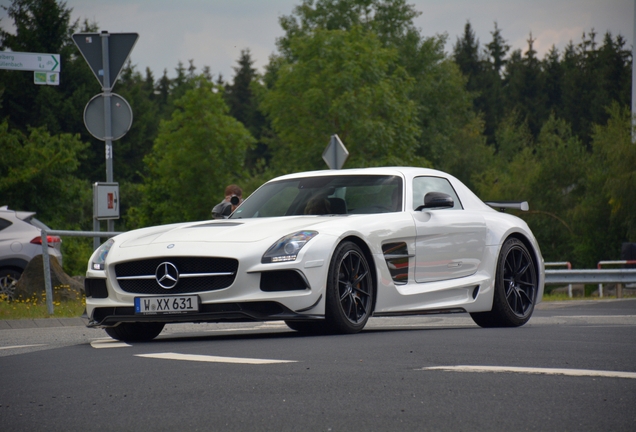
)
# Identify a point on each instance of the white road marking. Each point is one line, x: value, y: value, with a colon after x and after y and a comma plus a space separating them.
x: 212, y: 359
x: 594, y: 316
x: 544, y: 371
x: 108, y: 343
x: 20, y: 346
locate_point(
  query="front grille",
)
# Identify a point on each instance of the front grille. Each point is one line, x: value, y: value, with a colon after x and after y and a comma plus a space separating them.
x: 196, y: 274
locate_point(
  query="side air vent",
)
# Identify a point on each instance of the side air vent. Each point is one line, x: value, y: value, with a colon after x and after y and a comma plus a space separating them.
x: 397, y: 259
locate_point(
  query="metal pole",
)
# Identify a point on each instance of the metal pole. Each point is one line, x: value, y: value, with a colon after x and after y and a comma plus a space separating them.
x: 634, y: 76
x: 108, y: 122
x: 47, y: 272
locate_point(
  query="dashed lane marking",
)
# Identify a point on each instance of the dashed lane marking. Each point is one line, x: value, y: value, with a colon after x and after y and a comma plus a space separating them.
x: 212, y: 359
x: 108, y: 343
x: 543, y: 371
x: 21, y: 346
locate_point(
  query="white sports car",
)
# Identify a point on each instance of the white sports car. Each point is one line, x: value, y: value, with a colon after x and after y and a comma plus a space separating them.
x: 324, y: 251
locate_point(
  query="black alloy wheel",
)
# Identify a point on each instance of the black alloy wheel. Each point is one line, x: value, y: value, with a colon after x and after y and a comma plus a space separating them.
x: 350, y: 290
x: 516, y: 288
x: 8, y: 280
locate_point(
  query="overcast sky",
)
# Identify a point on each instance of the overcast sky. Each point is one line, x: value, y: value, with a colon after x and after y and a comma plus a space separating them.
x: 213, y: 32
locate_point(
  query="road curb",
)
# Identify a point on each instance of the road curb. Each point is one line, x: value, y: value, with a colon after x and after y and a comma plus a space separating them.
x: 42, y: 323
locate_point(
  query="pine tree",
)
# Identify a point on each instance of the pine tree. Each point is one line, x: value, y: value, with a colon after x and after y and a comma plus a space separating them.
x: 243, y: 105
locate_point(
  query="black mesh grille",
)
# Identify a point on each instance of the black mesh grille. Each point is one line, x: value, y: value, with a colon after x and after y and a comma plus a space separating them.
x: 282, y: 280
x: 95, y: 288
x: 185, y: 266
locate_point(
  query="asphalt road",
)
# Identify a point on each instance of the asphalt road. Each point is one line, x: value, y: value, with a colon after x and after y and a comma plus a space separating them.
x: 577, y: 360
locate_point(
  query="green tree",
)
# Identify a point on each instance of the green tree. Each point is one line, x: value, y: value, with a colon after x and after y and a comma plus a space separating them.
x: 615, y: 155
x: 197, y: 153
x: 490, y: 100
x: 242, y: 100
x: 130, y: 150
x: 551, y: 173
x: 446, y: 122
x: 467, y: 56
x: 37, y: 173
x: 341, y: 82
x: 390, y: 20
x: 44, y: 26
x: 524, y: 89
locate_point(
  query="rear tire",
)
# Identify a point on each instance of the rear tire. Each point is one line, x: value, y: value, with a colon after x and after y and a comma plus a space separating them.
x: 135, y: 332
x: 350, y: 290
x: 515, y: 288
x: 8, y: 279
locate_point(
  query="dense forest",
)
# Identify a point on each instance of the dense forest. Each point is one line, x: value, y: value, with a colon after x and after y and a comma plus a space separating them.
x: 554, y: 131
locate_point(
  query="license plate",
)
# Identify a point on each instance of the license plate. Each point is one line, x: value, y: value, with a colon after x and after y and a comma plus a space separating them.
x: 168, y: 304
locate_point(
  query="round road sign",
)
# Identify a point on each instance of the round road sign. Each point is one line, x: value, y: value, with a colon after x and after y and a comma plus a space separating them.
x: 120, y: 114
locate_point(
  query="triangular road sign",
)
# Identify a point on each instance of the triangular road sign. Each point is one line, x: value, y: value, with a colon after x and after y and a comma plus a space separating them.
x: 336, y: 154
x: 119, y: 47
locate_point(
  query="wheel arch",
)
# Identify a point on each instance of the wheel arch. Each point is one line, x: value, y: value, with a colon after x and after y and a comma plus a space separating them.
x: 531, y: 248
x: 16, y: 264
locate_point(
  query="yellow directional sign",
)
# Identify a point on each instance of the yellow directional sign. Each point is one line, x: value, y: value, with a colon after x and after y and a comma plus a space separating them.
x: 36, y: 62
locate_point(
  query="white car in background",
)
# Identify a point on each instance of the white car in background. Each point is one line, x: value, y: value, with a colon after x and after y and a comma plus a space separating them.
x: 20, y: 241
x: 323, y: 251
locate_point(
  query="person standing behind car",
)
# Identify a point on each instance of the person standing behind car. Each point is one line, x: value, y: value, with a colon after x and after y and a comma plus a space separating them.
x: 233, y: 198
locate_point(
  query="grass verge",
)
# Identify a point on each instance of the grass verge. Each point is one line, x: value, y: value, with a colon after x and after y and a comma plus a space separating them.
x: 35, y: 309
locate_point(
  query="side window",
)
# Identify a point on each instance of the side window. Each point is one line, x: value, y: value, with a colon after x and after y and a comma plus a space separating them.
x: 4, y: 223
x: 424, y: 185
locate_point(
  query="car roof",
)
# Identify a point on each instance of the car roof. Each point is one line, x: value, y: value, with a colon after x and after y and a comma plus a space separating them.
x: 401, y: 171
x: 22, y: 215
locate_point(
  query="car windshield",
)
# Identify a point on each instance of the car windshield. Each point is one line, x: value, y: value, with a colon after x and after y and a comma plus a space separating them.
x: 334, y: 194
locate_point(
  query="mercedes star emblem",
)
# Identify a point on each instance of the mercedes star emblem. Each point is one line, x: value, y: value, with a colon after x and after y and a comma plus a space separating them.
x: 167, y: 275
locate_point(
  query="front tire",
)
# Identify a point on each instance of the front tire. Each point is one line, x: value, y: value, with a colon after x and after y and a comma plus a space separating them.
x: 307, y: 327
x: 350, y: 290
x: 516, y: 288
x: 135, y: 332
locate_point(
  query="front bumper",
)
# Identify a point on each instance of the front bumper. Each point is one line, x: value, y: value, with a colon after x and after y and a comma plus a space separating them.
x: 219, y: 312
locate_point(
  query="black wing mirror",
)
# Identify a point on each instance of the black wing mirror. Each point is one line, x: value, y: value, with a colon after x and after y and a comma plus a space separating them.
x: 436, y: 200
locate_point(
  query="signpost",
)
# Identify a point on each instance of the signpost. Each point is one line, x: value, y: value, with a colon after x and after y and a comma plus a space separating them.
x: 120, y: 114
x: 46, y: 67
x: 30, y: 61
x: 336, y: 154
x: 49, y: 78
x: 106, y: 55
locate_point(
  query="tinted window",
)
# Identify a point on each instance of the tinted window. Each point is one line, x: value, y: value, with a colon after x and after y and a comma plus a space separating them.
x: 424, y: 185
x: 4, y: 223
x: 325, y: 195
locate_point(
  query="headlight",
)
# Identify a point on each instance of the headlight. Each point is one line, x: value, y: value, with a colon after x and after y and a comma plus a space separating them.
x: 287, y: 248
x: 99, y: 256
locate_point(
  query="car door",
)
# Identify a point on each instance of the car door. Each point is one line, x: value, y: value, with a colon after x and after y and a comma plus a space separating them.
x: 449, y: 242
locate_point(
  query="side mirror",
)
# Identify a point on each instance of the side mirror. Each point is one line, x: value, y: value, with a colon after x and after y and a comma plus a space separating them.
x: 436, y: 200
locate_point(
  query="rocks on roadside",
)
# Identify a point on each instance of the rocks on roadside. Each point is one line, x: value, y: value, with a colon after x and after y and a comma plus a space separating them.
x: 31, y: 284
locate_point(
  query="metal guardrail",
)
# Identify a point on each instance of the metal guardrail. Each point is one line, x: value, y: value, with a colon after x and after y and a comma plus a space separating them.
x: 555, y: 277
x: 602, y: 263
x: 561, y: 264
x: 46, y: 259
x: 598, y: 276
